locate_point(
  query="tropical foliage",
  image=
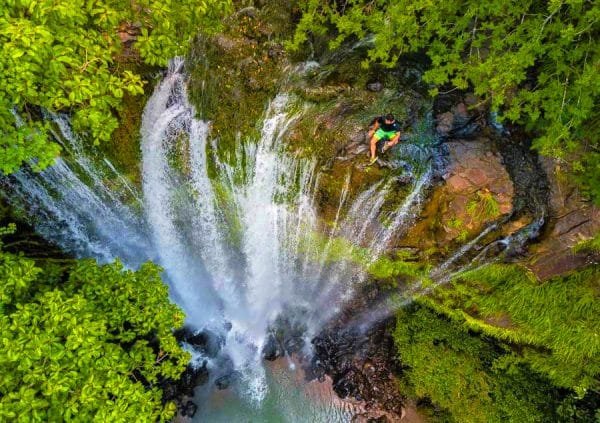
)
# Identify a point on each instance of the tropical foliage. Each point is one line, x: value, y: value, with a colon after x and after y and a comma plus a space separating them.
x: 495, y: 345
x: 88, y: 344
x: 534, y: 61
x: 61, y: 56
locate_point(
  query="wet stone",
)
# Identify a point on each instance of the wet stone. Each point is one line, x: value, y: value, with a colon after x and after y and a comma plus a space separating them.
x: 272, y: 349
x: 225, y: 381
x: 188, y: 409
x: 375, y: 86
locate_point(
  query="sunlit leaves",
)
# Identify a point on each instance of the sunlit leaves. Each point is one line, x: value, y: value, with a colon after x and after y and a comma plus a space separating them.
x: 87, y: 347
x: 535, y: 61
x: 59, y: 55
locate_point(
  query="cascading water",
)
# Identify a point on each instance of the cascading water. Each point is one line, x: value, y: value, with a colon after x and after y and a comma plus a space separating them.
x: 235, y: 235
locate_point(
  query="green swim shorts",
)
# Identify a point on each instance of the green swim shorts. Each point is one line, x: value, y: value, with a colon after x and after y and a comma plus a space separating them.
x: 381, y: 134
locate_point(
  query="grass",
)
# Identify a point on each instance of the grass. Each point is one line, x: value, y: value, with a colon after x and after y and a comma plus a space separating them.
x: 484, y: 207
x: 591, y: 245
x: 560, y: 317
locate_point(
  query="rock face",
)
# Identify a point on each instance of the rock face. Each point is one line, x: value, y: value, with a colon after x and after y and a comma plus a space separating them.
x: 477, y: 190
x: 360, y: 365
x: 571, y: 220
x: 463, y: 119
x: 475, y: 167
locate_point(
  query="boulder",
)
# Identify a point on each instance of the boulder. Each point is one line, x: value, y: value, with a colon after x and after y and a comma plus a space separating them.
x: 475, y: 177
x: 205, y: 341
x: 192, y: 377
x: 460, y: 121
x: 225, y: 381
x: 187, y: 409
x: 272, y: 349
x: 375, y: 86
x: 572, y: 219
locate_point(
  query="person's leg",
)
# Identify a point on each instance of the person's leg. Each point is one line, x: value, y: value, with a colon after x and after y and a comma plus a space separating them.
x: 373, y: 143
x: 392, y: 142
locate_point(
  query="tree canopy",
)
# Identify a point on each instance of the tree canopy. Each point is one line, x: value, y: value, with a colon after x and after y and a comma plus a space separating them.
x: 534, y: 61
x: 60, y: 55
x: 90, y: 344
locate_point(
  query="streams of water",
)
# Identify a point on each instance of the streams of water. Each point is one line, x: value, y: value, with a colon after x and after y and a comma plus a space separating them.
x: 237, y: 245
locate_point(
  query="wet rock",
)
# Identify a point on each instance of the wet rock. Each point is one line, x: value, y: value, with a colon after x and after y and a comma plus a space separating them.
x: 375, y: 86
x: 187, y: 409
x: 192, y: 377
x: 444, y: 124
x: 294, y: 344
x: 361, y: 366
x: 205, y: 341
x: 460, y: 121
x: 571, y: 219
x: 225, y: 381
x: 272, y: 349
x: 405, y: 179
x: 275, y: 51
x: 249, y: 11
x: 361, y: 363
x: 476, y: 190
x: 170, y: 390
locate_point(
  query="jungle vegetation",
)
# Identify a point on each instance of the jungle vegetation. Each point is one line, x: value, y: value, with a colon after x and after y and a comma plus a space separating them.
x: 83, y: 339
x: 69, y: 56
x: 535, y: 62
x: 85, y: 342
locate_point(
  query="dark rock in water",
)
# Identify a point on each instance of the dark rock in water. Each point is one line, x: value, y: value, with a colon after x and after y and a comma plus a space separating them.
x: 375, y: 86
x: 275, y: 51
x: 170, y: 390
x: 182, y: 390
x: 405, y: 179
x: 272, y: 349
x: 361, y: 364
x: 444, y: 123
x: 205, y: 341
x: 249, y: 11
x: 458, y: 116
x: 294, y: 344
x: 187, y: 409
x: 227, y: 326
x: 225, y: 381
x: 192, y: 377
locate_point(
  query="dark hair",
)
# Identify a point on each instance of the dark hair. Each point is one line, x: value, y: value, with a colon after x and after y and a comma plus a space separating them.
x: 389, y: 116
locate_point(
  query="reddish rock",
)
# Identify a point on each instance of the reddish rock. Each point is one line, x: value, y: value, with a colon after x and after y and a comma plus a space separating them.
x: 461, y: 111
x: 477, y: 177
x: 457, y: 183
x: 445, y: 122
x: 572, y: 220
x: 473, y: 168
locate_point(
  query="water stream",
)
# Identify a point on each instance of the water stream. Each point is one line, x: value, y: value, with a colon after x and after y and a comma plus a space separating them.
x: 235, y: 236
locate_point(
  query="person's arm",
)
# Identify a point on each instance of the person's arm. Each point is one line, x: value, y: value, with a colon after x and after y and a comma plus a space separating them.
x: 373, y: 127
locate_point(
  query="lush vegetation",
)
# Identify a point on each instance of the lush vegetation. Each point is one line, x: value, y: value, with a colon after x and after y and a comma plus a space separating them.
x: 65, y: 56
x: 495, y: 345
x: 534, y: 61
x: 87, y: 343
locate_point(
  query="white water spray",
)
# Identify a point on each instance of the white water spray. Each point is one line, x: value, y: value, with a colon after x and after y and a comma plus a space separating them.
x: 233, y: 235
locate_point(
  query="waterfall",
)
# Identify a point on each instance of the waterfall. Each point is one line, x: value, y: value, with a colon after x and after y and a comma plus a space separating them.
x: 234, y: 231
x: 86, y: 219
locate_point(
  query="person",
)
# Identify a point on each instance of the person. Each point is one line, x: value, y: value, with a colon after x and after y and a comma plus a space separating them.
x: 384, y: 128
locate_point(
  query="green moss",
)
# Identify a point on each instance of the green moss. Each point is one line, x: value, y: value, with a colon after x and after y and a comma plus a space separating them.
x: 591, y: 245
x: 461, y: 373
x: 560, y: 316
x: 484, y: 206
x: 235, y: 74
x: 123, y: 148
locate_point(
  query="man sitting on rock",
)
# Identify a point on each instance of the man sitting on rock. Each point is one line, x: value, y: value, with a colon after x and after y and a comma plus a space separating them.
x: 386, y: 129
